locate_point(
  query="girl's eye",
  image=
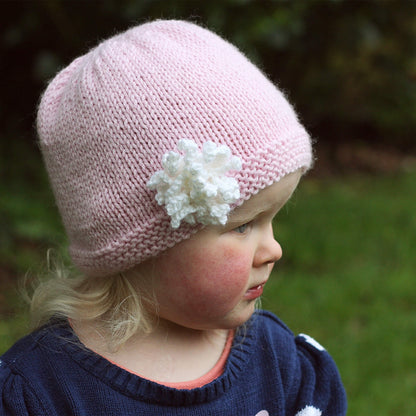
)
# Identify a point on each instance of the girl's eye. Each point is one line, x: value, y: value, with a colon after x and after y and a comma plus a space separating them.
x: 242, y: 228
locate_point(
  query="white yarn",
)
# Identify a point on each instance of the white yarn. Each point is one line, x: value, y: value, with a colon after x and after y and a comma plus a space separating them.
x: 309, y: 411
x: 194, y: 186
x: 312, y: 342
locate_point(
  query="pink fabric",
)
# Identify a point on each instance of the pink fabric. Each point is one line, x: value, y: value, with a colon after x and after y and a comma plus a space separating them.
x: 106, y: 120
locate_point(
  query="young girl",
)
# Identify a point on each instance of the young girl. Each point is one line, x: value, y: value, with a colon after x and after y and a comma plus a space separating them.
x: 169, y: 154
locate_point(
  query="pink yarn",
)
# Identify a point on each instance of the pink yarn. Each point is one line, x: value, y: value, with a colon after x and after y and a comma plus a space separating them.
x: 106, y: 120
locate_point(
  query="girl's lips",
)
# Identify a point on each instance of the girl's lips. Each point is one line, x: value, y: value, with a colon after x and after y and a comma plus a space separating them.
x: 254, y: 292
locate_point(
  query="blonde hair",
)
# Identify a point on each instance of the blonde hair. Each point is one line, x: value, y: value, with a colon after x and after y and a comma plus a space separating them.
x: 111, y: 301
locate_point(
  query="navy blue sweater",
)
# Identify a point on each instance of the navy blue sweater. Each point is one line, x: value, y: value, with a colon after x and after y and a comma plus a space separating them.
x: 269, y: 372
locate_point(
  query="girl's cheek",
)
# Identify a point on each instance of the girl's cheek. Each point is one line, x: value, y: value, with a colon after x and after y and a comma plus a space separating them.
x: 222, y: 275
x: 207, y: 280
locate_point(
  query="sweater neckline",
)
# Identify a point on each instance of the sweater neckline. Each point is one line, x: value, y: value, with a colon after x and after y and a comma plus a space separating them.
x: 133, y: 385
x: 211, y: 375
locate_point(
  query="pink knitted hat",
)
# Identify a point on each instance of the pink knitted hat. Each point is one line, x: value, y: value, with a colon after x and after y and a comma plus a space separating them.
x: 108, y: 120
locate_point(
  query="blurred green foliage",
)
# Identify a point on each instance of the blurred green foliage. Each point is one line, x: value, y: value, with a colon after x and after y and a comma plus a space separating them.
x: 347, y: 278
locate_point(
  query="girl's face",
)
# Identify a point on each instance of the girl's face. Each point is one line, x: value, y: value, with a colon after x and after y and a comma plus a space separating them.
x: 212, y: 280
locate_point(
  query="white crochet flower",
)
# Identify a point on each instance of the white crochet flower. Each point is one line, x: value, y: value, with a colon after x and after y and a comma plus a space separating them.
x: 193, y: 185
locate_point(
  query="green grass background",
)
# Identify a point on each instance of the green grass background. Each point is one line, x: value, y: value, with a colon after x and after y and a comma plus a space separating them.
x: 347, y: 278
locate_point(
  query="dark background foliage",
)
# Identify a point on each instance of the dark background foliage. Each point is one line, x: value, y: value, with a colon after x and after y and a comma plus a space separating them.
x: 349, y: 66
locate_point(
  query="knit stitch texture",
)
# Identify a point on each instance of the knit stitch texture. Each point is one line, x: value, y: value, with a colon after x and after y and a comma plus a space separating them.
x: 107, y: 119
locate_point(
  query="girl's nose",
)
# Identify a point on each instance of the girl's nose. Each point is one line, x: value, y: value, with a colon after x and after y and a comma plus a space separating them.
x: 268, y: 250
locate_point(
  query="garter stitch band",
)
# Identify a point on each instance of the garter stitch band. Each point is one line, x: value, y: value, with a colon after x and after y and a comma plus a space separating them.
x: 106, y: 120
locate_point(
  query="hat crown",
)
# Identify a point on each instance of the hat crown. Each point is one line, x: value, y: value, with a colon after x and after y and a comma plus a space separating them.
x: 106, y: 121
